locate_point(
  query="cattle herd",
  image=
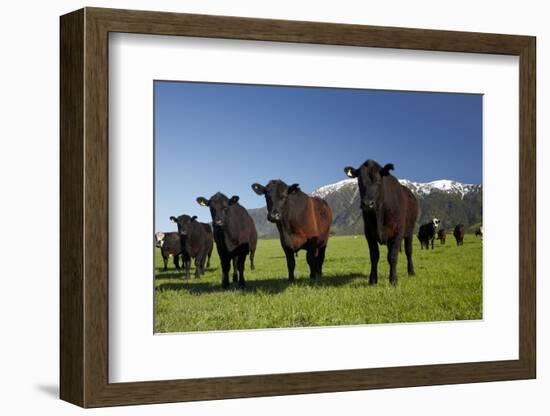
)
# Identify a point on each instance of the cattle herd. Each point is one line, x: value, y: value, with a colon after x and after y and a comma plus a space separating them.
x: 427, y: 234
x: 389, y: 212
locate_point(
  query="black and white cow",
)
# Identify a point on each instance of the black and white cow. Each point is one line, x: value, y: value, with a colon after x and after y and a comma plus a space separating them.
x: 427, y: 233
x: 479, y: 232
x: 170, y: 245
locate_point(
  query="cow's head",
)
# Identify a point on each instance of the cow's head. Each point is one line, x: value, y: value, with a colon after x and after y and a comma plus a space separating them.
x: 436, y: 222
x: 184, y: 223
x: 159, y: 239
x: 219, y: 206
x: 276, y: 193
x: 369, y: 178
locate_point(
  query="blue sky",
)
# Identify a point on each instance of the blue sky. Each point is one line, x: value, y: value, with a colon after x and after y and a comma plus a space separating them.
x: 223, y: 137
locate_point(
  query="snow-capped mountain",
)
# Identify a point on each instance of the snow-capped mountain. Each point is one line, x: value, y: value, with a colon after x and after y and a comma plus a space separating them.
x: 442, y: 185
x: 451, y: 201
x: 334, y: 187
x: 418, y: 188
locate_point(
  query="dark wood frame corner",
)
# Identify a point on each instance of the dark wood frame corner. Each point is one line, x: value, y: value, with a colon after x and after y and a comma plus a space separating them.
x: 84, y: 207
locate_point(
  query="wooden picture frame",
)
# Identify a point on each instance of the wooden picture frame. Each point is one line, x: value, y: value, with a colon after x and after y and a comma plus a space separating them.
x: 84, y: 207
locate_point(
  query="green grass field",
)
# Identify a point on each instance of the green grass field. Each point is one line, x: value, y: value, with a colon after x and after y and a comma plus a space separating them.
x: 447, y: 286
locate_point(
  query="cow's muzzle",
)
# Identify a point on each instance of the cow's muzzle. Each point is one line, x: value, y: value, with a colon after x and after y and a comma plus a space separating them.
x: 367, y: 204
x: 273, y: 217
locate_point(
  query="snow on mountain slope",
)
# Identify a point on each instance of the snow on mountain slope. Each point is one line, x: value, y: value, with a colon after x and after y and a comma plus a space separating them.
x: 334, y: 187
x: 418, y: 188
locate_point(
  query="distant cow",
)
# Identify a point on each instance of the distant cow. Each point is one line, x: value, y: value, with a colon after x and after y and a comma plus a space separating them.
x: 427, y: 232
x: 303, y: 223
x: 442, y: 236
x: 170, y: 245
x: 459, y: 234
x: 479, y: 232
x: 389, y: 215
x: 234, y: 233
x: 196, y: 242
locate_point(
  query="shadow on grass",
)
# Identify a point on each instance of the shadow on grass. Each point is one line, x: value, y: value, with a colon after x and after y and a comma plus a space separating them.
x: 296, y: 255
x: 271, y: 286
x: 177, y: 274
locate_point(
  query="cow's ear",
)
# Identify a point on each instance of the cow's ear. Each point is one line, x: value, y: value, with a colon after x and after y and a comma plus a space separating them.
x: 233, y: 200
x: 350, y: 172
x: 385, y: 171
x: 193, y: 218
x: 173, y: 219
x: 259, y: 189
x: 203, y: 202
x: 292, y: 189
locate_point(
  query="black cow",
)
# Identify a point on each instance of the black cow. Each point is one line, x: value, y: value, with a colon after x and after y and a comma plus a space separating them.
x: 427, y: 232
x: 442, y: 236
x: 303, y: 223
x: 170, y: 245
x: 389, y: 215
x: 196, y: 243
x: 234, y: 232
x: 459, y: 234
x: 208, y: 229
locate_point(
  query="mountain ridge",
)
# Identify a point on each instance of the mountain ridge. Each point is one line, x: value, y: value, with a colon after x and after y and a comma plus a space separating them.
x: 418, y: 188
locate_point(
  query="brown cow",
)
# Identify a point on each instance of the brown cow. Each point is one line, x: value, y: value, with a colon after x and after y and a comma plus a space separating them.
x: 389, y: 214
x: 442, y: 236
x: 459, y: 234
x: 303, y: 223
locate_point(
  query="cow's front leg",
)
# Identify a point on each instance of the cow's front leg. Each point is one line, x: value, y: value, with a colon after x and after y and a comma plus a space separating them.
x: 290, y: 263
x: 240, y: 267
x: 165, y: 260
x: 226, y: 266
x: 408, y: 252
x: 252, y: 259
x: 235, y: 265
x: 320, y: 260
x: 393, y: 251
x: 198, y: 261
x: 202, y: 264
x: 187, y: 266
x: 374, y: 254
x: 311, y: 257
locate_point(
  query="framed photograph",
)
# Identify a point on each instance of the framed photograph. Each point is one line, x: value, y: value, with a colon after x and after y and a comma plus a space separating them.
x: 255, y: 207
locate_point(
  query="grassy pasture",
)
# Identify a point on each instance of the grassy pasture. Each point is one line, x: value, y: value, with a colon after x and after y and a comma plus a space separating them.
x: 447, y: 286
